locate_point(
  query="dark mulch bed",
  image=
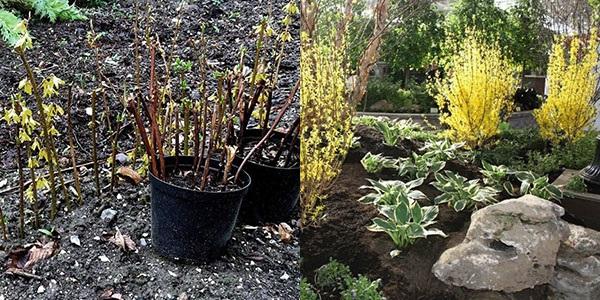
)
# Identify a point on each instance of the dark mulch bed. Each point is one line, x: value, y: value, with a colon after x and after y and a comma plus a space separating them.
x: 256, y: 265
x: 342, y: 235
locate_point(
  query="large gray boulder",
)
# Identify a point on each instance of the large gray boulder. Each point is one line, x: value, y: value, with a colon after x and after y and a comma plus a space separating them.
x: 577, y: 274
x: 510, y: 246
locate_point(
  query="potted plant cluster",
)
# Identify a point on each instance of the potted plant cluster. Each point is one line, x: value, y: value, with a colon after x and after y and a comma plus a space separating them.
x: 204, y: 158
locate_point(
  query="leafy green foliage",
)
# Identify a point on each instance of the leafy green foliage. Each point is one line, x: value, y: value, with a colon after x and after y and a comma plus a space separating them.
x: 481, y: 15
x: 335, y: 281
x: 414, y: 42
x: 427, y: 135
x: 374, y: 163
x: 494, y: 176
x: 392, y: 192
x: 524, y: 149
x: 461, y: 193
x: 419, y: 166
x: 364, y: 120
x: 534, y: 185
x: 9, y: 31
x: 393, y: 131
x: 57, y: 10
x: 406, y: 222
x: 576, y: 184
x: 362, y: 288
x: 412, y: 98
x: 442, y: 150
x: 332, y: 276
x: 306, y: 291
x: 529, y: 35
x: 520, y: 31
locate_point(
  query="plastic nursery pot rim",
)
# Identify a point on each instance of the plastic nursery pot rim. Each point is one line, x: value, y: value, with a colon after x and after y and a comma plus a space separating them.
x: 250, y: 160
x: 268, y: 166
x: 247, y: 185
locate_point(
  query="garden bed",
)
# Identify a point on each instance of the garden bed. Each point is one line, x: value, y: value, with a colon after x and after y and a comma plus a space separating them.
x: 343, y: 235
x: 521, y: 119
x: 259, y: 262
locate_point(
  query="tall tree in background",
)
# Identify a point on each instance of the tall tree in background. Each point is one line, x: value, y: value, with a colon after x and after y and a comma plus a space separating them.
x: 530, y: 37
x: 413, y: 43
x: 521, y: 31
x: 481, y: 15
x: 321, y: 18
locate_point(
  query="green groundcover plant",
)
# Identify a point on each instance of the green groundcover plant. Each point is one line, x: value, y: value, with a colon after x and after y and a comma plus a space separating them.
x: 335, y: 281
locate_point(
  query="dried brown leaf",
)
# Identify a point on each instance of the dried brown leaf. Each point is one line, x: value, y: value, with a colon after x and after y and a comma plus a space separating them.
x: 285, y: 232
x: 40, y: 252
x: 24, y: 258
x: 129, y: 174
x: 123, y: 241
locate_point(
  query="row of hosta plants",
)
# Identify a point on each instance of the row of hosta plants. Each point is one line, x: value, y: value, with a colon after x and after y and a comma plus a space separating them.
x: 399, y: 202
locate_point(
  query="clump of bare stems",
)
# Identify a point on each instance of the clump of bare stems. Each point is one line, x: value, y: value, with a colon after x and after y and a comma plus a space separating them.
x: 214, y: 135
x: 213, y: 124
x: 211, y: 120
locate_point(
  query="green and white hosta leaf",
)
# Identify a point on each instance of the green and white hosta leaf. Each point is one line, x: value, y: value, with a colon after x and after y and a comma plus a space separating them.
x: 461, y: 193
x: 435, y: 231
x: 402, y: 213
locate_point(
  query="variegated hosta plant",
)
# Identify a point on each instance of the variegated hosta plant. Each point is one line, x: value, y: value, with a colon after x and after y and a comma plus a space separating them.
x: 534, y: 185
x: 442, y: 149
x: 374, y: 163
x: 393, y: 131
x: 406, y: 222
x: 461, y: 193
x: 495, y: 176
x: 392, y: 192
x: 419, y: 166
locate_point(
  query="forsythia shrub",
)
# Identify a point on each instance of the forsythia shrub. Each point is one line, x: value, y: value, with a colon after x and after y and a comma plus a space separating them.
x: 476, y: 91
x: 572, y: 84
x: 326, y: 127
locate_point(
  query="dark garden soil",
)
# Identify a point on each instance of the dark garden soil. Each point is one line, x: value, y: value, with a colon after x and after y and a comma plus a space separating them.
x: 61, y: 49
x: 343, y: 236
x: 256, y: 265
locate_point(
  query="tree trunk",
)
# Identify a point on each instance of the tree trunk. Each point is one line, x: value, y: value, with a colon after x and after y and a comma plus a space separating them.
x: 371, y: 54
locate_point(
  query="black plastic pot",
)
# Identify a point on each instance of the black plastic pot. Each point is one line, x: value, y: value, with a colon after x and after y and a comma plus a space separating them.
x: 274, y: 191
x: 189, y: 224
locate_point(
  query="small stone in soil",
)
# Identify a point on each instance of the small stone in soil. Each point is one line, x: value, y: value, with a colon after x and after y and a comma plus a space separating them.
x: 108, y: 215
x: 75, y: 240
x: 285, y: 276
x: 103, y: 258
x: 41, y: 289
x: 143, y: 242
x: 122, y: 158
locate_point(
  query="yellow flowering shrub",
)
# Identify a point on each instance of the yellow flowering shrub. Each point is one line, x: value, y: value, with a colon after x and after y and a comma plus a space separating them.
x: 476, y: 91
x: 572, y: 84
x: 326, y: 127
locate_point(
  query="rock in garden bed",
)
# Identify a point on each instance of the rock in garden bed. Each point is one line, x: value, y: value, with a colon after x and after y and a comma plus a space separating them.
x: 510, y: 246
x: 577, y: 271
